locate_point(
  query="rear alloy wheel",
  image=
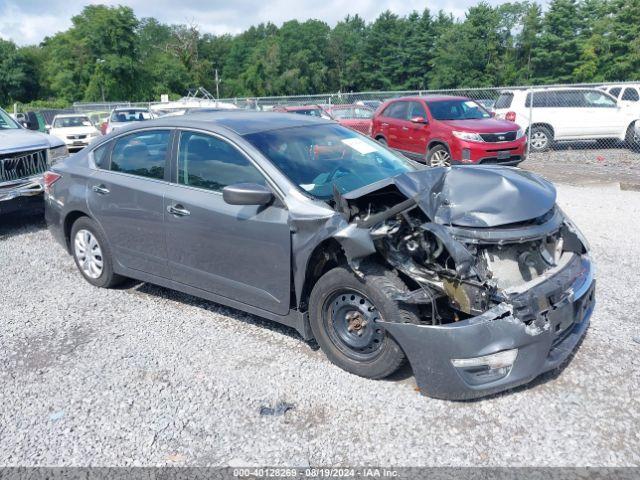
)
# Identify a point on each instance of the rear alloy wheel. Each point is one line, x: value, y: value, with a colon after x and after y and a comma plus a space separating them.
x: 541, y: 139
x: 91, y: 254
x: 345, y: 312
x: 438, y: 156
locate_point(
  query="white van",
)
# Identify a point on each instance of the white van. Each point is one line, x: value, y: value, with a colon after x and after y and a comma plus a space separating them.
x: 561, y: 114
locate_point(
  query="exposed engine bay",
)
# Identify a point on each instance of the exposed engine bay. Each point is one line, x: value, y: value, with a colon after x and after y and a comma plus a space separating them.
x: 482, y: 255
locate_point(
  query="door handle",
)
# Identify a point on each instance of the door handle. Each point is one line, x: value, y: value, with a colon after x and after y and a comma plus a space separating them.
x: 406, y: 129
x: 101, y: 189
x: 178, y: 210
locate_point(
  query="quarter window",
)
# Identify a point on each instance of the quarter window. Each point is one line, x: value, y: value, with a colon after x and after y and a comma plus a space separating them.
x: 208, y: 162
x: 631, y: 94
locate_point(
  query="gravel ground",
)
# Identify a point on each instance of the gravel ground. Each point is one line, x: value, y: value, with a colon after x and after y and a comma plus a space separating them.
x: 581, y: 164
x: 146, y: 376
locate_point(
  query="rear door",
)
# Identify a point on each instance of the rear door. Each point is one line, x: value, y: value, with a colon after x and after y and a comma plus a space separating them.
x: 126, y: 197
x: 604, y: 117
x: 239, y: 252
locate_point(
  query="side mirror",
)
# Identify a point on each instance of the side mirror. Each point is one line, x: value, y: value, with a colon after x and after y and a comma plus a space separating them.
x: 247, y: 194
x: 421, y: 120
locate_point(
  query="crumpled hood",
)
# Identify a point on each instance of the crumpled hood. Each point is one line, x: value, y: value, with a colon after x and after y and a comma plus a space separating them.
x: 19, y: 139
x: 473, y: 196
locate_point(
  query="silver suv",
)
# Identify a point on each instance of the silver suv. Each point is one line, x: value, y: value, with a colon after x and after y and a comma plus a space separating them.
x: 24, y: 157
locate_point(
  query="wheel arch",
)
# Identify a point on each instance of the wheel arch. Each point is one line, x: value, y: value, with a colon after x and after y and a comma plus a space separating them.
x: 326, y: 255
x: 438, y: 141
x: 542, y: 124
x: 69, y: 219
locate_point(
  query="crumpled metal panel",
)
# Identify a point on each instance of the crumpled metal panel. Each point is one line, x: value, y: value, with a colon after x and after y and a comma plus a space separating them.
x: 478, y: 197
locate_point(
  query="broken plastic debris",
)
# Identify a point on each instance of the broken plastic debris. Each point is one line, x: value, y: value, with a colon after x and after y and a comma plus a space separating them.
x: 280, y: 409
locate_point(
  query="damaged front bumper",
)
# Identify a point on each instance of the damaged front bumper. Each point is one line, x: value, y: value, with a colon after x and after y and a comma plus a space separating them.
x: 558, y: 310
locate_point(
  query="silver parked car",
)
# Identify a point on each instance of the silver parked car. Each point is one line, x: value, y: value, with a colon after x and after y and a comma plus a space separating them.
x: 24, y: 157
x: 472, y: 274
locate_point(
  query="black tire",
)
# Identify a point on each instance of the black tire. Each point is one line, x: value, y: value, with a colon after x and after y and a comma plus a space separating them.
x: 378, y: 286
x: 438, y: 156
x: 381, y: 141
x: 107, y: 278
x: 541, y: 139
x: 632, y: 139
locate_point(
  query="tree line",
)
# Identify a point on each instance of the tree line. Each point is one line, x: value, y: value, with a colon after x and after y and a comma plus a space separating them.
x: 108, y: 53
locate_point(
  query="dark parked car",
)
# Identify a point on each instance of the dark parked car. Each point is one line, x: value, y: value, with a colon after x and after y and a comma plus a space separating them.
x: 472, y: 274
x: 444, y: 130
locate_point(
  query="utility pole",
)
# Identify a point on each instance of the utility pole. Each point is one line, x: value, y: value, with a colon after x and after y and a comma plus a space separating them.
x: 217, y: 85
x: 100, y: 62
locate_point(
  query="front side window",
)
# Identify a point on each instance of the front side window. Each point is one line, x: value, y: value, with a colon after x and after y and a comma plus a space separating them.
x: 143, y: 153
x: 458, y: 109
x: 631, y: 94
x: 415, y: 110
x: 317, y: 158
x: 206, y: 161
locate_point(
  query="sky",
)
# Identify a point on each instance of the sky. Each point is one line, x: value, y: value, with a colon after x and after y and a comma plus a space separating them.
x: 29, y: 21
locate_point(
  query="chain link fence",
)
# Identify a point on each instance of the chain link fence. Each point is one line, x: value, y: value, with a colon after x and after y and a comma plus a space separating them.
x: 578, y: 123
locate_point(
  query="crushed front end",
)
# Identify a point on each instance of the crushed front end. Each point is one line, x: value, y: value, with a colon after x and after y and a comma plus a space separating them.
x: 501, y: 277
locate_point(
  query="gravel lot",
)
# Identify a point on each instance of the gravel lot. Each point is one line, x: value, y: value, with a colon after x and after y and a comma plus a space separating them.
x: 146, y: 376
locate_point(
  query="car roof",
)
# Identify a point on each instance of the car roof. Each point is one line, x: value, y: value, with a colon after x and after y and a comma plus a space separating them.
x: 240, y: 122
x: 70, y: 115
x: 432, y: 98
x: 124, y: 109
x: 301, y: 107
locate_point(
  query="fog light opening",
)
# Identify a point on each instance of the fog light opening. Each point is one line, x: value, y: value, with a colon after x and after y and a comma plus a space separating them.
x: 485, y: 369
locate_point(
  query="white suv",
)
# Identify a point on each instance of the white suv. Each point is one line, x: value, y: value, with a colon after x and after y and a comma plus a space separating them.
x: 559, y: 114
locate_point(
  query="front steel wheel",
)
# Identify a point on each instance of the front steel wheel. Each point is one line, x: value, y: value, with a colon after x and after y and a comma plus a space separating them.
x: 345, y: 314
x: 349, y: 318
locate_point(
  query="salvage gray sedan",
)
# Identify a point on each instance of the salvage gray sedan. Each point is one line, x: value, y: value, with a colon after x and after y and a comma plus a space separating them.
x: 473, y: 275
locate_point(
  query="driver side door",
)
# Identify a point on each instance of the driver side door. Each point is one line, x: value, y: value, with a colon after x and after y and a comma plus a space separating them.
x: 241, y: 252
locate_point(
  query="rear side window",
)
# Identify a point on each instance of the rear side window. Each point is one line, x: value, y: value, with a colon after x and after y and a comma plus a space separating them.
x: 206, y: 161
x: 396, y: 110
x: 504, y: 100
x: 143, y: 154
x: 615, y: 91
x: 631, y: 94
x: 100, y: 157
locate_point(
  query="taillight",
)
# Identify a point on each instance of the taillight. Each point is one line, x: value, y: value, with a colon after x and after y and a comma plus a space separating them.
x: 49, y: 179
x: 511, y: 116
x: 370, y: 129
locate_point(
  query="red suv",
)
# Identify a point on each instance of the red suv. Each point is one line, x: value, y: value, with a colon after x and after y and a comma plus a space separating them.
x: 443, y: 130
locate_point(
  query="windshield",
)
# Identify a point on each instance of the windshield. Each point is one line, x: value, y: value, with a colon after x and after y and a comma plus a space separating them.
x: 66, y: 122
x: 122, y: 116
x: 316, y: 157
x: 457, y: 110
x: 6, y: 122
